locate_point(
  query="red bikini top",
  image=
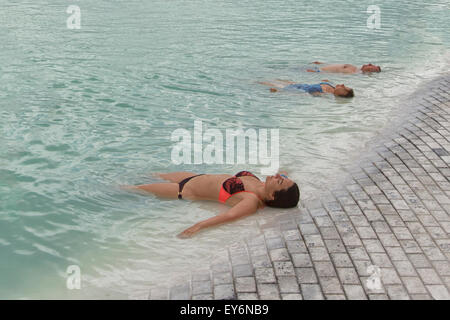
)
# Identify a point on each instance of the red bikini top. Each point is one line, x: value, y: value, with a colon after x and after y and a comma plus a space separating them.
x: 233, y: 185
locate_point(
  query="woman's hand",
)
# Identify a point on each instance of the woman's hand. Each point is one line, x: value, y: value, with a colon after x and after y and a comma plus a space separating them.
x: 189, y: 232
x: 243, y: 208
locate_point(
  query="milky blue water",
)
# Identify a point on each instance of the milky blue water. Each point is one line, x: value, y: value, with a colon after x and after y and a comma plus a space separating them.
x: 83, y: 111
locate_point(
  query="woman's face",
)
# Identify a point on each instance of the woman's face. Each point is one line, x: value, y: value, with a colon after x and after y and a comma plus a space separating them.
x: 276, y: 183
x: 370, y: 68
x: 341, y: 90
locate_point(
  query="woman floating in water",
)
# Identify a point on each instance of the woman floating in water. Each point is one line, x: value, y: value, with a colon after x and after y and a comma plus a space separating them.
x: 244, y: 192
x: 344, y: 68
x: 339, y: 90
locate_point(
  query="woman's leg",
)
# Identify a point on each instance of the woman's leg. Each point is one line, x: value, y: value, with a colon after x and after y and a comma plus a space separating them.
x: 176, y: 177
x: 272, y: 84
x: 165, y: 190
x: 285, y: 81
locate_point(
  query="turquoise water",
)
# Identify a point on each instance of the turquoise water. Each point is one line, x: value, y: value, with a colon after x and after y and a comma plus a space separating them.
x: 83, y: 111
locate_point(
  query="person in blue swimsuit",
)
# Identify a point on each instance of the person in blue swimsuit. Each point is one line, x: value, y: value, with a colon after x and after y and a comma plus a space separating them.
x: 339, y: 90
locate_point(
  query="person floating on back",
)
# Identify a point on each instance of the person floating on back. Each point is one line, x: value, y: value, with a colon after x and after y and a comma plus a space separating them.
x: 345, y: 68
x: 244, y: 192
x: 339, y: 90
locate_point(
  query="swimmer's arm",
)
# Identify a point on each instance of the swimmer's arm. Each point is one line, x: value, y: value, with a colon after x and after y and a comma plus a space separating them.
x: 244, y: 208
x: 318, y: 62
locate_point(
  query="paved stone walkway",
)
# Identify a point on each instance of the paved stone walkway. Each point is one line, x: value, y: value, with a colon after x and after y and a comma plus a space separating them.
x: 384, y: 234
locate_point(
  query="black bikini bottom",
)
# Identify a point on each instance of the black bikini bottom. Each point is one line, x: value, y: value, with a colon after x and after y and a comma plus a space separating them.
x: 182, y: 183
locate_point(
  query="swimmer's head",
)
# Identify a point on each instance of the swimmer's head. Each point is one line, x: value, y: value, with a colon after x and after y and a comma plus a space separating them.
x: 282, y: 192
x: 343, y: 91
x: 370, y: 68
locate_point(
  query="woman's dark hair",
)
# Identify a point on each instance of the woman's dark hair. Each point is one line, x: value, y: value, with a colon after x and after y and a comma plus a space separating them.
x: 287, y: 198
x: 350, y: 94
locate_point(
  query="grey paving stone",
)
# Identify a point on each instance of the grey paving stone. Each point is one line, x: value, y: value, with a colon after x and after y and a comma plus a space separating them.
x: 397, y: 292
x: 201, y: 287
x: 421, y: 297
x: 275, y: 243
x: 381, y: 259
x: 224, y: 292
x: 355, y: 292
x: 335, y: 297
x: 324, y: 269
x: 434, y: 253
x: 319, y: 254
x: 360, y: 221
x: 288, y: 284
x: 429, y: 276
x: 258, y: 250
x: 268, y: 291
x: 301, y: 260
x: 265, y: 275
x: 410, y: 246
x: 404, y: 268
x: 180, y: 292
x: 240, y: 260
x: 309, y: 228
x: 330, y: 285
x: 388, y: 240
x: 280, y: 254
x: 424, y: 240
x: 324, y: 222
x: 313, y: 240
x: 222, y: 278
x: 414, y: 285
x: 159, y: 293
x: 271, y: 233
x: 242, y: 270
x: 291, y: 235
x: 373, y: 246
x: 378, y: 297
x: 201, y: 275
x: 415, y: 227
x: 341, y: 260
x: 380, y: 227
x: 348, y: 275
x: 203, y: 297
x: 358, y: 253
x: 283, y: 268
x: 335, y: 246
x: 261, y: 262
x: 245, y: 284
x: 438, y: 292
x: 419, y: 260
x: 247, y: 296
x: 221, y: 267
x: 389, y: 276
x: 296, y: 246
x: 306, y: 275
x: 291, y: 296
x: 442, y: 267
x: 366, y: 233
x: 311, y: 292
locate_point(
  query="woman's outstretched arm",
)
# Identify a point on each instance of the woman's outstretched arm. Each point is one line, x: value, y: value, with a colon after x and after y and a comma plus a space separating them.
x: 243, y: 208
